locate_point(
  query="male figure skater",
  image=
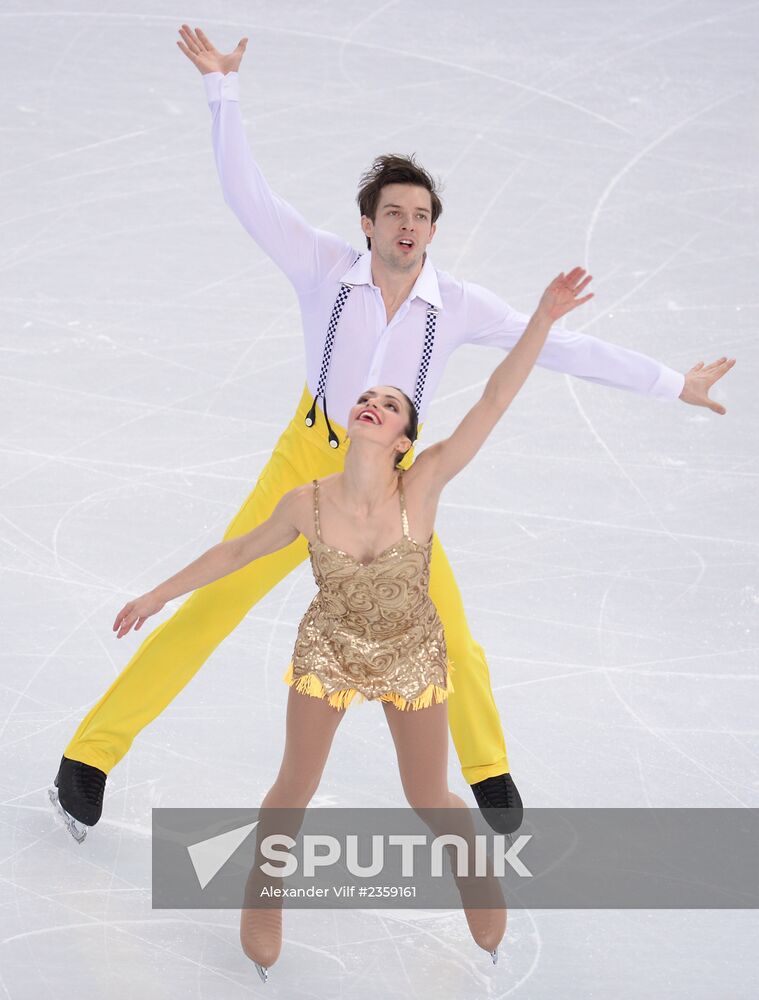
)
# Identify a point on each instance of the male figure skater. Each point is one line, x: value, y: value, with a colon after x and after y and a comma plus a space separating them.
x: 387, y: 317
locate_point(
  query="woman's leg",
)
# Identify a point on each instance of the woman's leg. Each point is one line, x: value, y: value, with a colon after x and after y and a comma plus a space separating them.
x: 421, y: 745
x: 310, y: 727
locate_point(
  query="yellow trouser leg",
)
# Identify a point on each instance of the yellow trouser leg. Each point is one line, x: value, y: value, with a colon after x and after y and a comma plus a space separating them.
x: 174, y: 652
x: 472, y: 713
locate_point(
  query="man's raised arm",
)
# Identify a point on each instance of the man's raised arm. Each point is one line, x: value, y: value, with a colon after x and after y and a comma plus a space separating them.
x: 305, y: 254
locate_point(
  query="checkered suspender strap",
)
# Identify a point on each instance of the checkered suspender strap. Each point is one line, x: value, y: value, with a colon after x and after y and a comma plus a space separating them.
x: 424, y: 363
x: 321, y: 387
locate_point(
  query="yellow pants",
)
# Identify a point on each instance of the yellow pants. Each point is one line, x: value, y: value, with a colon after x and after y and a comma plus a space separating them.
x: 173, y: 653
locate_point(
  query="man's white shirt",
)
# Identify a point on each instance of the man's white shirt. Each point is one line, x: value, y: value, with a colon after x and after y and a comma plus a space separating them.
x: 367, y: 349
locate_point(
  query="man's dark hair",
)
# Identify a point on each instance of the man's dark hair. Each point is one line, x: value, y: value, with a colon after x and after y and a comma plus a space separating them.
x: 412, y: 427
x: 392, y: 168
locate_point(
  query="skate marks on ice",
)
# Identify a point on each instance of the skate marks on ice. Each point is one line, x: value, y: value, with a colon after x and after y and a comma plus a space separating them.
x: 597, y: 134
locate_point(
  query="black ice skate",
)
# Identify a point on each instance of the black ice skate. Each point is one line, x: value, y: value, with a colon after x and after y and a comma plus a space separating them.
x: 77, y: 795
x: 500, y: 803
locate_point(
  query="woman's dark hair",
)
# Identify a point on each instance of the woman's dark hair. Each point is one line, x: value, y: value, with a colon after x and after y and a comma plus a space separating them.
x: 412, y: 427
x: 393, y: 168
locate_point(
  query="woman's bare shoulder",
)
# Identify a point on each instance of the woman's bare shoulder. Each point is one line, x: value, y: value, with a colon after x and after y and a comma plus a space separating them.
x: 307, y: 489
x: 300, y: 502
x: 297, y: 505
x: 328, y: 481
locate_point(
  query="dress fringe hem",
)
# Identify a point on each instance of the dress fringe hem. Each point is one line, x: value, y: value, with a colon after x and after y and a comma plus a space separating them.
x: 310, y: 684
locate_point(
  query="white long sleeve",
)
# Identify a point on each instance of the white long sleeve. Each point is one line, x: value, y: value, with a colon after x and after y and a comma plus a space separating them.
x: 491, y: 322
x: 305, y: 254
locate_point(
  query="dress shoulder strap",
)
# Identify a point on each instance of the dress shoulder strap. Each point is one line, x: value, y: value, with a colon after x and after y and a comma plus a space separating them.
x: 317, y: 524
x: 402, y: 495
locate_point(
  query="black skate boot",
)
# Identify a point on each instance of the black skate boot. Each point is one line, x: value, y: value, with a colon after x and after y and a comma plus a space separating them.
x: 500, y: 803
x: 77, y: 794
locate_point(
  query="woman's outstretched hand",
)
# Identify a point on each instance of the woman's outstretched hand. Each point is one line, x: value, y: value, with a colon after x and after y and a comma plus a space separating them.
x: 199, y: 50
x: 561, y: 296
x: 136, y: 612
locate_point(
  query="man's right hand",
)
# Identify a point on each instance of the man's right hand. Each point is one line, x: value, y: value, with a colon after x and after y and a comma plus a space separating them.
x: 199, y: 50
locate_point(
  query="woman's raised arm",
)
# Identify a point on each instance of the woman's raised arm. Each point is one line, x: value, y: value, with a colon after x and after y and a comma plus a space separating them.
x: 447, y: 458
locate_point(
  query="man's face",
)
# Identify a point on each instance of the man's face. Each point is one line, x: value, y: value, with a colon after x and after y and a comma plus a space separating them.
x: 402, y: 227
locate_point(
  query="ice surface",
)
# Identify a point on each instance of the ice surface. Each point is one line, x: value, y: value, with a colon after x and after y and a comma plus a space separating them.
x: 605, y: 544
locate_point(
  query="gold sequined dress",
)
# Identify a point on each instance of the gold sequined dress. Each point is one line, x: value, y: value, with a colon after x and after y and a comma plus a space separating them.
x: 372, y: 630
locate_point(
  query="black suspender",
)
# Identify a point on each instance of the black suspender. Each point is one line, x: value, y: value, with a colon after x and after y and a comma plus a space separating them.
x: 337, y: 308
x: 321, y: 387
x: 424, y: 363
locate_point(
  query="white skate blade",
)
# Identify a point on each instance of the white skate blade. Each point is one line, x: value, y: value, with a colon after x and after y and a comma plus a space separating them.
x: 262, y: 971
x: 77, y: 830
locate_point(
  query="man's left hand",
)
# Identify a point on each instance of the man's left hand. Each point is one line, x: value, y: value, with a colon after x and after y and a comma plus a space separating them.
x: 700, y: 379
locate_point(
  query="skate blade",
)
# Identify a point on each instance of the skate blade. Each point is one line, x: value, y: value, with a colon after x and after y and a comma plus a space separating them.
x: 77, y: 830
x: 262, y: 971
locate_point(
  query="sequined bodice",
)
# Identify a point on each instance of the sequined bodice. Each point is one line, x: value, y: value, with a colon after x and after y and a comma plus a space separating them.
x: 376, y: 598
x: 372, y: 625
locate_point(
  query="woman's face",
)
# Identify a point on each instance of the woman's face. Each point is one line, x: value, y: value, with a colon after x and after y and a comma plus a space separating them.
x: 382, y: 415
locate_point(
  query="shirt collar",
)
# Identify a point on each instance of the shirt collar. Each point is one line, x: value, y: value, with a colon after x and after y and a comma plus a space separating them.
x: 426, y: 285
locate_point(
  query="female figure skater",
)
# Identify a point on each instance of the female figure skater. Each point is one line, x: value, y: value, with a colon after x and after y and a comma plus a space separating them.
x: 371, y: 630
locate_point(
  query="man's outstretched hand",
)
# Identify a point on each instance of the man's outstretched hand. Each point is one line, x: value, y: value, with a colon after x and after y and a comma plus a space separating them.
x: 199, y: 50
x: 700, y: 379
